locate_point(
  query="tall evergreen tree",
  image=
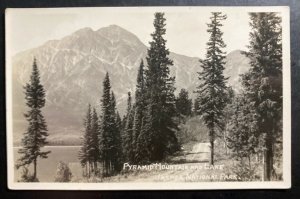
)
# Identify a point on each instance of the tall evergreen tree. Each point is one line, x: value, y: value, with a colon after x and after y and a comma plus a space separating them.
x: 212, y: 88
x: 139, y: 113
x: 263, y: 82
x: 228, y: 112
x: 94, y: 141
x: 184, y: 103
x: 84, y: 152
x: 106, y: 140
x: 110, y: 138
x: 158, y: 126
x: 119, y: 122
x: 117, y: 143
x: 243, y: 136
x: 196, y: 107
x: 35, y: 136
x: 128, y: 149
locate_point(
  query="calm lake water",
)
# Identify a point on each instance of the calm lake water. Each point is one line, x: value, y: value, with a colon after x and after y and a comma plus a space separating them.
x: 46, y: 168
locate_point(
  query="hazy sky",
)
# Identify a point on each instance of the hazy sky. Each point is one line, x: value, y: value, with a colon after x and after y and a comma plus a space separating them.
x: 186, y: 26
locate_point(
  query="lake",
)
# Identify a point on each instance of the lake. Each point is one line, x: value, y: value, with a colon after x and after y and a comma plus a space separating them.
x: 46, y: 168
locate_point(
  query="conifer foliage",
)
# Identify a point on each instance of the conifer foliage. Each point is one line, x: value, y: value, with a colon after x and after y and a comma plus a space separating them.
x: 116, y: 159
x: 184, y: 103
x: 89, y: 153
x: 139, y: 113
x: 243, y: 138
x: 109, y: 141
x: 84, y: 153
x: 157, y: 132
x: 128, y: 148
x: 35, y: 136
x: 263, y: 82
x: 94, y: 152
x: 101, y: 150
x: 212, y: 87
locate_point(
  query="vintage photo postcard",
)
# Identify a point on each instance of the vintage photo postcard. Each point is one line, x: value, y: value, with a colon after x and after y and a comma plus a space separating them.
x: 148, y: 98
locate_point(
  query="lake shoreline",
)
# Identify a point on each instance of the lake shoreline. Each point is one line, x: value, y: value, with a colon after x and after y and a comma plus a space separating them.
x: 48, y: 146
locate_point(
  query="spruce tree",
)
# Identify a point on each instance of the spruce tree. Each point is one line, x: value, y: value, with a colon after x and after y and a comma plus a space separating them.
x: 120, y: 158
x: 196, y: 107
x: 35, y: 136
x: 119, y: 122
x: 263, y: 82
x: 106, y: 140
x: 184, y: 103
x: 212, y: 88
x: 128, y: 149
x: 85, y: 150
x: 139, y: 113
x: 116, y: 130
x: 243, y: 136
x: 228, y: 112
x: 110, y: 138
x: 158, y: 127
x: 94, y: 142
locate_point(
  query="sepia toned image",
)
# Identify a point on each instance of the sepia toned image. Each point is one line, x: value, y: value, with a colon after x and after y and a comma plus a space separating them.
x: 148, y: 98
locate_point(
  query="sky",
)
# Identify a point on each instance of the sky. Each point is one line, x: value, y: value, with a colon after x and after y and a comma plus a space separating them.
x: 186, y: 26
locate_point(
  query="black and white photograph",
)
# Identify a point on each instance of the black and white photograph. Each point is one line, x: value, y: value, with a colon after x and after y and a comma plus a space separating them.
x: 143, y: 98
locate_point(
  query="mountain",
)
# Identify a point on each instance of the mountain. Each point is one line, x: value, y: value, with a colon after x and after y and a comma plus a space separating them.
x: 236, y: 64
x: 72, y: 70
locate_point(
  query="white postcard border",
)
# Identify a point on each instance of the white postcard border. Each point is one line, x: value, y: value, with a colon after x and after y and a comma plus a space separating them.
x: 285, y: 184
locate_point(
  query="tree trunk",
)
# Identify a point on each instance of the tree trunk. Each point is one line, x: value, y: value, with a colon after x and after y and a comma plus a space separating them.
x: 211, y: 152
x: 249, y: 159
x: 225, y: 141
x: 34, y: 168
x: 226, y: 148
x: 268, y: 159
x: 212, y: 139
x: 95, y: 167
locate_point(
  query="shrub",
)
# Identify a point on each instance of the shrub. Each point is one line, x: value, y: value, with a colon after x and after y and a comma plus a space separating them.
x: 245, y: 172
x: 63, y: 173
x: 27, y: 176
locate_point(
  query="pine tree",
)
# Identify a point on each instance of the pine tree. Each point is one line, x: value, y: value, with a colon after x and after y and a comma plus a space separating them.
x: 139, y: 114
x: 110, y: 138
x: 228, y: 113
x: 128, y: 149
x: 35, y: 136
x: 119, y: 129
x: 183, y: 103
x: 263, y: 82
x: 212, y: 88
x: 85, y: 150
x: 243, y: 136
x: 119, y: 122
x: 158, y: 126
x: 106, y: 140
x: 116, y: 130
x: 94, y: 142
x: 196, y: 107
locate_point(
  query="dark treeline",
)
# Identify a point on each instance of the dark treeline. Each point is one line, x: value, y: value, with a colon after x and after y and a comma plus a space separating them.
x: 101, y: 149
